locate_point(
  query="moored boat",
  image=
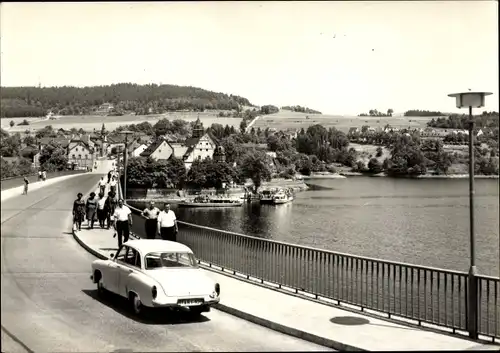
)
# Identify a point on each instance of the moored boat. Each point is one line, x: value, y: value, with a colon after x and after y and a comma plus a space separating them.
x: 266, y: 197
x: 211, y: 202
x: 283, y: 196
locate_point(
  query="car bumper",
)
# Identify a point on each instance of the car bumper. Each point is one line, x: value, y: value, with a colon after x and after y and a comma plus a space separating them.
x: 174, y: 304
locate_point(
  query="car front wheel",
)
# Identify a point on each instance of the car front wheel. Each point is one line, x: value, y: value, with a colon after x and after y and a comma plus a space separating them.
x: 136, y: 304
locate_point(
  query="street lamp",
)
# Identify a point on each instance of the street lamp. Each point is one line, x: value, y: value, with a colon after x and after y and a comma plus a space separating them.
x: 125, y: 160
x: 470, y: 100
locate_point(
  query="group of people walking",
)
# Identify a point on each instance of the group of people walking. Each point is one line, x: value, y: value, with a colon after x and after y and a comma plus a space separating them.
x: 111, y: 211
x: 100, y: 208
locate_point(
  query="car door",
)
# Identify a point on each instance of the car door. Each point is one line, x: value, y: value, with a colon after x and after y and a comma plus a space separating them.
x: 125, y: 269
x: 111, y: 278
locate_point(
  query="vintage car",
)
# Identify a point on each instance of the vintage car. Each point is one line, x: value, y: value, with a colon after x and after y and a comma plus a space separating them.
x: 156, y: 274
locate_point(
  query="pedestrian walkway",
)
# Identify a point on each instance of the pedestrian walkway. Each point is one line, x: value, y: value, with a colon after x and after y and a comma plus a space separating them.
x: 315, y: 322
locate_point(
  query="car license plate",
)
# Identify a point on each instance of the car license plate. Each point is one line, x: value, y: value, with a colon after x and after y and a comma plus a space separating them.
x: 190, y: 302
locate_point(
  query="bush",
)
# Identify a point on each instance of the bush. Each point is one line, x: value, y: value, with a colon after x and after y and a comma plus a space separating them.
x: 374, y: 166
x: 379, y: 152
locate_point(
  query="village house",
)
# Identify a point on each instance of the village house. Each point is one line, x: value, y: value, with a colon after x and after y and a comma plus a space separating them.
x: 104, y: 108
x: 137, y: 150
x: 158, y: 150
x: 201, y: 145
x: 80, y: 154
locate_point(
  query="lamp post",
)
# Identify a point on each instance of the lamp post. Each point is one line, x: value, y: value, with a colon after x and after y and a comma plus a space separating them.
x: 470, y: 100
x: 125, y: 160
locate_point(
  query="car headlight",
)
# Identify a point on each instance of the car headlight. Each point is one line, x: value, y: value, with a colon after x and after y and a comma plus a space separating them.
x: 216, y: 291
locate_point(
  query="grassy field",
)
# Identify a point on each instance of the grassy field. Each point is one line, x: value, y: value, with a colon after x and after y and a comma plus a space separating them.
x: 291, y: 120
x: 90, y: 122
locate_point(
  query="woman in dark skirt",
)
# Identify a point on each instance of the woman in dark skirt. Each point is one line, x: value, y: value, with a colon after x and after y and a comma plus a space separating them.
x: 78, y: 211
x: 91, y: 210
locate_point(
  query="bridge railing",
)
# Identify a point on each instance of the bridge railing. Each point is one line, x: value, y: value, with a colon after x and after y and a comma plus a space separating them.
x: 423, y: 294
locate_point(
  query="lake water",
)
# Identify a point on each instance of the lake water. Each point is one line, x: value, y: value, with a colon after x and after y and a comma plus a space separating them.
x: 423, y: 222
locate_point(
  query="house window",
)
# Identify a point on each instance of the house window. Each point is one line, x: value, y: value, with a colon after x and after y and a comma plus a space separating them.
x: 79, y: 156
x: 206, y: 150
x: 73, y: 156
x: 86, y: 156
x: 76, y: 149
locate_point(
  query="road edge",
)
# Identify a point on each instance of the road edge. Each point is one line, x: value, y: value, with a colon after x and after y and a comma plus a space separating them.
x: 290, y: 331
x: 17, y: 190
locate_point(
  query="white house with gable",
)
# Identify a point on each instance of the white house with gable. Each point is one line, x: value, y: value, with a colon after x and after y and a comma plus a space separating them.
x: 158, y: 150
x: 200, y: 146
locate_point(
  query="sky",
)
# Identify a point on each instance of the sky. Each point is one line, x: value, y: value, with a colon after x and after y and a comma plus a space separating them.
x: 337, y: 57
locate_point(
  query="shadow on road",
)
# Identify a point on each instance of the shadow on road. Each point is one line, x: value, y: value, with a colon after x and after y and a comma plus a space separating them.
x: 149, y: 317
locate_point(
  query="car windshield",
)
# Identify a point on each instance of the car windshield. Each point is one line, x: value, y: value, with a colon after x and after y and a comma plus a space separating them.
x: 170, y: 260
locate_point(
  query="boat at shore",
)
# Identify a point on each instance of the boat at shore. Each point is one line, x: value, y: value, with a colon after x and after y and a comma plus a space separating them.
x: 266, y: 197
x: 276, y: 196
x: 211, y: 202
x: 282, y: 197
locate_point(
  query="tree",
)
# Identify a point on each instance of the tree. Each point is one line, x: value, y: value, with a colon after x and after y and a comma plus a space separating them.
x: 47, y: 131
x: 255, y: 166
x: 278, y: 143
x: 29, y: 140
x: 406, y: 158
x: 12, y: 123
x: 390, y: 111
x: 53, y: 157
x: 208, y: 173
x: 374, y: 166
x: 243, y: 126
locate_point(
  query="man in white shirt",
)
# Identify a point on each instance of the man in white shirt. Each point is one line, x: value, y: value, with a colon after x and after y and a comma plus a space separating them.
x: 102, y: 185
x: 167, y: 224
x: 112, y: 185
x: 123, y: 220
x: 151, y: 214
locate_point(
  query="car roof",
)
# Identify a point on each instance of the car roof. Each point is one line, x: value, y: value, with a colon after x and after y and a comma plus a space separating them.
x: 146, y: 246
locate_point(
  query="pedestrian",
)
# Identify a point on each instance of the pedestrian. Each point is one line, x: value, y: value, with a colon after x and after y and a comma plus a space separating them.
x: 109, y: 176
x: 110, y: 206
x: 167, y: 224
x: 26, y: 183
x: 123, y: 221
x: 101, y: 213
x: 112, y: 184
x: 39, y: 175
x: 91, y: 208
x: 102, y: 185
x: 44, y: 175
x: 78, y: 212
x: 151, y: 215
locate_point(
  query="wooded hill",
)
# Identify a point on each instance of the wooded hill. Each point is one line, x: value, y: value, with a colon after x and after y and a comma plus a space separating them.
x: 124, y: 98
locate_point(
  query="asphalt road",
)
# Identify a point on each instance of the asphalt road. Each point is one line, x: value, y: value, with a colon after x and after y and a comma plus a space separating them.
x: 49, y: 304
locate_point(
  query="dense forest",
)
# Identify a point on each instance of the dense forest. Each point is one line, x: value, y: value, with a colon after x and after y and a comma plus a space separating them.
x: 124, y: 97
x: 416, y: 112
x: 460, y: 121
x: 299, y: 109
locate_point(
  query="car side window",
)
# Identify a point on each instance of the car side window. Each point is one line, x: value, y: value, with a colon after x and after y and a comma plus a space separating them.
x: 120, y: 256
x: 130, y: 256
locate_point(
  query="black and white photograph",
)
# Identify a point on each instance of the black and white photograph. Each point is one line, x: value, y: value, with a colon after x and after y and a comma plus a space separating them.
x: 249, y: 176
